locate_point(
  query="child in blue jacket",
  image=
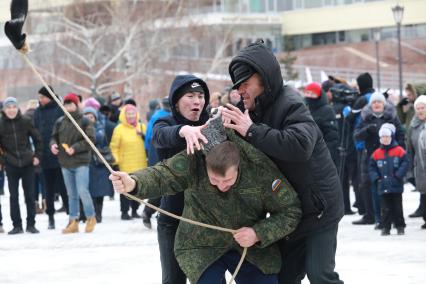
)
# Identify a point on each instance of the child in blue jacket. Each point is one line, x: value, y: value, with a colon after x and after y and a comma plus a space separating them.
x: 388, y: 166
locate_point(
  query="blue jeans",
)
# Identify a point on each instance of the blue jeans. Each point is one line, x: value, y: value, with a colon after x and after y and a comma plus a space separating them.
x: 77, y: 184
x: 248, y: 273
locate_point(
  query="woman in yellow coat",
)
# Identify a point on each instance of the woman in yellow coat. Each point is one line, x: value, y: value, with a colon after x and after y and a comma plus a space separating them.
x: 128, y: 148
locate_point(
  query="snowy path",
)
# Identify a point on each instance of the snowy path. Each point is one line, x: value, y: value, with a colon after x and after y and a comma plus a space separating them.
x: 124, y: 251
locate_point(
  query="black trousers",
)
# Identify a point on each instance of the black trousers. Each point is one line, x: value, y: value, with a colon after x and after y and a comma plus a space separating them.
x: 125, y: 204
x: 350, y: 177
x: 1, y: 217
x: 98, y: 204
x: 391, y: 210
x: 365, y: 187
x: 313, y: 255
x: 54, y: 183
x: 423, y: 200
x: 149, y: 211
x: 170, y: 270
x: 14, y: 174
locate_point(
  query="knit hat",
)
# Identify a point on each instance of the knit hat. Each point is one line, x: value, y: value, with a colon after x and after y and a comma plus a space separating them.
x: 365, y: 82
x: 10, y: 101
x: 387, y: 129
x: 420, y: 100
x: 115, y: 96
x: 315, y: 88
x: 214, y: 132
x: 43, y: 91
x: 241, y: 72
x: 93, y: 103
x: 91, y: 110
x: 377, y: 97
x: 71, y: 97
x: 189, y: 87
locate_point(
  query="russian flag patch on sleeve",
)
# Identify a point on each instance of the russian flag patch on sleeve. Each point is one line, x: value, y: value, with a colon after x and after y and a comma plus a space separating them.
x: 275, y: 184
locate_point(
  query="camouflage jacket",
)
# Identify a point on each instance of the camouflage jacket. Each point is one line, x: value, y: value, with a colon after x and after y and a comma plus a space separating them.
x: 259, y: 189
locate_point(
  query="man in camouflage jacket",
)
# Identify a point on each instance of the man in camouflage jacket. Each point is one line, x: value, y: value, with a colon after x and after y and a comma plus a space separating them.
x: 257, y: 189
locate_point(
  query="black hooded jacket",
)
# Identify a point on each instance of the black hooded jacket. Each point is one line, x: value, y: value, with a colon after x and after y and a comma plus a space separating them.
x: 284, y: 129
x: 325, y: 118
x: 167, y: 142
x: 15, y: 134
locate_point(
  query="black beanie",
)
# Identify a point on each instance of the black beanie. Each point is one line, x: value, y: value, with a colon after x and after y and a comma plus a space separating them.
x: 365, y: 82
x: 190, y: 87
x: 43, y: 91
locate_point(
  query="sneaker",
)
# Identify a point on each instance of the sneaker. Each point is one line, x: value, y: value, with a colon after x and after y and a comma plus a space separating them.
x: 400, y: 231
x: 423, y: 226
x: 16, y: 230
x: 385, y: 232
x: 146, y: 221
x: 1, y: 229
x: 51, y: 225
x: 125, y: 216
x: 32, y: 230
x: 363, y: 221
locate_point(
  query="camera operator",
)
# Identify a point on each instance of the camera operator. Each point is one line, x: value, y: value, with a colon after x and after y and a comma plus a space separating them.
x: 344, y: 97
x: 352, y: 114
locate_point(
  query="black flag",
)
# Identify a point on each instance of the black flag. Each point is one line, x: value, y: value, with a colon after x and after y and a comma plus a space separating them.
x: 13, y: 28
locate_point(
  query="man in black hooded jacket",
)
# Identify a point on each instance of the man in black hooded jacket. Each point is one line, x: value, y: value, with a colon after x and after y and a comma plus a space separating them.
x: 188, y: 99
x: 277, y: 122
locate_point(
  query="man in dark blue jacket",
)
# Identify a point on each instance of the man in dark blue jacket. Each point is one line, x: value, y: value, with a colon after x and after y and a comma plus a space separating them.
x: 277, y: 122
x: 44, y: 119
x: 188, y: 100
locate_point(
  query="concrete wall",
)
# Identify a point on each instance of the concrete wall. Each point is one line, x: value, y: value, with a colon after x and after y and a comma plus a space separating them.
x: 351, y: 17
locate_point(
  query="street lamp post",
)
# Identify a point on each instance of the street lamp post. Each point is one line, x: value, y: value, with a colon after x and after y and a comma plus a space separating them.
x: 398, y: 12
x: 376, y: 35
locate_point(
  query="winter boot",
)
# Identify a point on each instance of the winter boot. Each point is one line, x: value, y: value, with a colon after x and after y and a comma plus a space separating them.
x: 400, y: 231
x: 423, y: 226
x: 385, y: 232
x: 16, y: 230
x: 146, y: 221
x: 51, y: 225
x: 32, y: 229
x: 72, y: 227
x: 135, y: 214
x: 125, y: 216
x: 90, y: 224
x: 1, y: 229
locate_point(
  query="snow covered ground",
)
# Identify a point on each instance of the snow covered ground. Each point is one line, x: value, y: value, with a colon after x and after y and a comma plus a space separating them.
x: 124, y: 251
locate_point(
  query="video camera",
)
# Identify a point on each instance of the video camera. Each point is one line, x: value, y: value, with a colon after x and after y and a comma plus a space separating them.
x: 343, y: 94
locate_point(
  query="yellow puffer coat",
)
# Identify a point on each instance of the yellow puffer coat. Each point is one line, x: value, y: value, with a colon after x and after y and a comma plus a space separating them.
x: 127, y: 146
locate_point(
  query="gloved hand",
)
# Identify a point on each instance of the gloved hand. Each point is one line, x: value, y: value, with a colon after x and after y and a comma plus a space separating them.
x: 346, y: 111
x: 372, y: 128
x: 403, y: 102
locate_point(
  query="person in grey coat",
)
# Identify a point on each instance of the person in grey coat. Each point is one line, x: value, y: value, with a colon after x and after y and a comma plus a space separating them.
x: 417, y: 148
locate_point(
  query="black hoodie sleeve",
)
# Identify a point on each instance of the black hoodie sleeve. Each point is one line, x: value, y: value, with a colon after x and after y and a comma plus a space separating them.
x: 165, y: 135
x: 293, y: 142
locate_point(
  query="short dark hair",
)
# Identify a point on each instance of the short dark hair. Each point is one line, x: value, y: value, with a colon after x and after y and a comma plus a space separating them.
x: 222, y: 157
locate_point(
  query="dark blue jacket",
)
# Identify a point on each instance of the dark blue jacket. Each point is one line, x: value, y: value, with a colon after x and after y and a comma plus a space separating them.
x: 44, y: 119
x: 166, y: 140
x: 388, y: 166
x: 99, y: 184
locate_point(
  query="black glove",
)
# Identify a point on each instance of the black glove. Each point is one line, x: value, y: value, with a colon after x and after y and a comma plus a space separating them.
x: 403, y: 102
x: 372, y: 128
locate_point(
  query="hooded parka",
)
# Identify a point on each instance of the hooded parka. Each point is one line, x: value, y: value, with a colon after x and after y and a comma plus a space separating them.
x: 284, y: 129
